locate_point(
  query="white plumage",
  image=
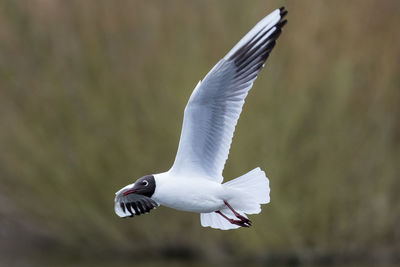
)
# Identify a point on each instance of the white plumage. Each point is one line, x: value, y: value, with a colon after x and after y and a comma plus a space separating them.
x: 194, y: 181
x: 215, y: 105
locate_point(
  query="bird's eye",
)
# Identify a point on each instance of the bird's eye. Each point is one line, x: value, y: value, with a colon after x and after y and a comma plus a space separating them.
x: 145, y: 183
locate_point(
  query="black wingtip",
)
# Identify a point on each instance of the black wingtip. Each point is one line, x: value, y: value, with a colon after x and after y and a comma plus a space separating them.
x: 281, y: 23
x: 129, y: 208
x: 251, y: 57
x: 122, y: 205
x: 283, y: 13
x: 275, y: 35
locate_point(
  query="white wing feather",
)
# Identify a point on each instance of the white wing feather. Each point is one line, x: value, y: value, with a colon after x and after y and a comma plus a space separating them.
x: 216, y: 103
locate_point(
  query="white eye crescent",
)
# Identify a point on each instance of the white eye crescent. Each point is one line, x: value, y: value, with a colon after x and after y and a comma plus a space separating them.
x: 145, y: 183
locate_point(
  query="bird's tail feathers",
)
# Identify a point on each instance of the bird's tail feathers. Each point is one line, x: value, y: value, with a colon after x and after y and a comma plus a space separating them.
x: 252, y: 190
x: 249, y: 191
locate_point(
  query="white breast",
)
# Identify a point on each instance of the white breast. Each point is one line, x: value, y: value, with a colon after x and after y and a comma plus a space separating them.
x: 188, y: 194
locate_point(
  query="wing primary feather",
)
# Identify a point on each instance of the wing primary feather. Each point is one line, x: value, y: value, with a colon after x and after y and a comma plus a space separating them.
x: 216, y: 102
x: 122, y: 205
x: 283, y: 12
x: 250, y: 52
x: 137, y: 212
x: 241, y: 50
x: 249, y: 57
x: 281, y: 23
x: 248, y: 70
x: 128, y: 207
x: 140, y: 207
x: 252, y: 58
x: 237, y: 56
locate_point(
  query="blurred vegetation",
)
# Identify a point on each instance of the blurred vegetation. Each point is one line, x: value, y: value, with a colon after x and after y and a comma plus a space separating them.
x: 92, y: 96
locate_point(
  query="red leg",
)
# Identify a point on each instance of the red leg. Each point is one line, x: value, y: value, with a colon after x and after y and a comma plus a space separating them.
x: 242, y: 218
x: 232, y: 221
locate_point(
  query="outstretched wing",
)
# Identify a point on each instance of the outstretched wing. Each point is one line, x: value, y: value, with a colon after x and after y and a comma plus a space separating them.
x: 215, y: 104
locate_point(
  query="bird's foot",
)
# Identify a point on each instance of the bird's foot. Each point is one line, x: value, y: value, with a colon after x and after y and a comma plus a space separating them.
x: 243, y: 222
x: 243, y: 219
x: 240, y: 217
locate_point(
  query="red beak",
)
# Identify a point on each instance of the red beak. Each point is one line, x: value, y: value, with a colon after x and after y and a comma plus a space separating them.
x: 129, y: 191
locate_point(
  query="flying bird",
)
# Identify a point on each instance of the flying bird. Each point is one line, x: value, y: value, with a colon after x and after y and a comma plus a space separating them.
x: 194, y: 182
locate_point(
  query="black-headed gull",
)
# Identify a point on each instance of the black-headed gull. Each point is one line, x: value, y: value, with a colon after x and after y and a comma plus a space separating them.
x: 194, y: 183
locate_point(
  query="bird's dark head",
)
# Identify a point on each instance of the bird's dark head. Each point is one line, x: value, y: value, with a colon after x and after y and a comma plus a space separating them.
x: 143, y: 186
x: 135, y: 199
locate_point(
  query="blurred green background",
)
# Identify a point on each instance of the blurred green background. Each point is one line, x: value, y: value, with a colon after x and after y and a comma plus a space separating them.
x: 92, y: 95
